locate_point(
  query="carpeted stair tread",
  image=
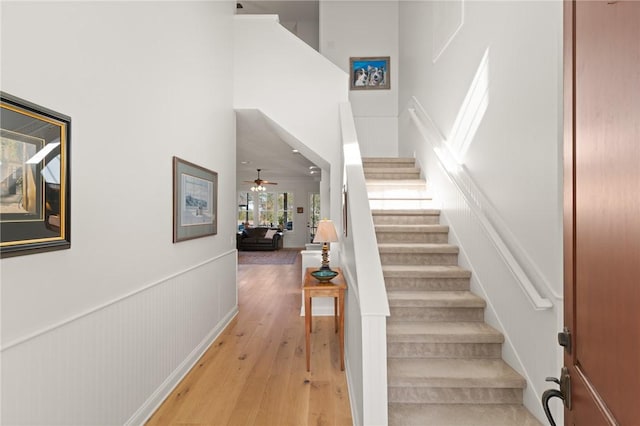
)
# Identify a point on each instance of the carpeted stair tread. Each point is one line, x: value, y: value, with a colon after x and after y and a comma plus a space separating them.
x: 412, y: 196
x: 443, y: 332
x: 435, y: 299
x: 406, y: 212
x: 417, y: 248
x: 460, y: 415
x: 452, y: 373
x: 411, y: 228
x: 395, y: 183
x: 425, y: 271
x: 400, y: 169
x: 373, y: 160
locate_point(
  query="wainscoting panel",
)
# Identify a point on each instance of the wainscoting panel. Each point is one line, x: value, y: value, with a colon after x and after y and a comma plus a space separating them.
x: 117, y: 363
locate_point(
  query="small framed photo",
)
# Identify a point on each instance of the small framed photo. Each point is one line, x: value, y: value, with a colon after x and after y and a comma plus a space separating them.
x: 35, y: 196
x: 300, y: 210
x: 369, y: 73
x: 195, y: 201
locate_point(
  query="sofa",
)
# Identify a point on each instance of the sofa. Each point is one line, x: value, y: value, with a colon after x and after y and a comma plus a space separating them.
x: 254, y: 239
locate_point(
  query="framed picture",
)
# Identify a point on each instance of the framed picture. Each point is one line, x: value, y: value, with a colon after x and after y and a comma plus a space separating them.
x: 370, y: 73
x: 35, y: 198
x: 195, y: 201
x: 300, y: 209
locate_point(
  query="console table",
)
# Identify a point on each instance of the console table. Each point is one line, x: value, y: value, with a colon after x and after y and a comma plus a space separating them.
x: 334, y: 288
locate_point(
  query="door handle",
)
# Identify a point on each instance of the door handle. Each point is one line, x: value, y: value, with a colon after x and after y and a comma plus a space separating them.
x: 564, y: 393
x: 546, y: 396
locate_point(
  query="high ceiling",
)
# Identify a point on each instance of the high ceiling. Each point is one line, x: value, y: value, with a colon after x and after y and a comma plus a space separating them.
x: 287, y: 10
x: 258, y: 145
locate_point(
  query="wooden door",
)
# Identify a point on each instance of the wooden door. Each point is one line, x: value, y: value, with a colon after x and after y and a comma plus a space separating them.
x: 602, y: 211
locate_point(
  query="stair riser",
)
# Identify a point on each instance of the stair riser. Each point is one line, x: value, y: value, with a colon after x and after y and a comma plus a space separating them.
x: 402, y: 313
x: 412, y: 237
x: 391, y: 175
x: 419, y: 258
x: 434, y: 395
x: 427, y: 284
x: 406, y: 219
x: 443, y: 350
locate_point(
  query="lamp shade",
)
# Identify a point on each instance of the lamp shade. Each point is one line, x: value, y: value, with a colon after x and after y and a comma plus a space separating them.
x: 326, y: 232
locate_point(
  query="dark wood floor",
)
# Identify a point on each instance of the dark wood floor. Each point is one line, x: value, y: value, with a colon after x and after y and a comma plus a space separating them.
x: 255, y: 372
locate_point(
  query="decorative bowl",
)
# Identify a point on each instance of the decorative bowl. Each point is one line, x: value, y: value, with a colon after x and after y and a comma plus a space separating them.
x: 324, y: 275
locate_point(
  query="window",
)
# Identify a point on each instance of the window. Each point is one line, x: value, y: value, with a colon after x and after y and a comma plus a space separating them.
x: 245, y: 209
x: 285, y: 210
x: 266, y: 216
x: 314, y: 214
x: 266, y: 209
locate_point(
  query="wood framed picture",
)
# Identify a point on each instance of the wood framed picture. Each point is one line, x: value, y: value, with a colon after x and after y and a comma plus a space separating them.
x: 369, y: 73
x: 35, y: 196
x: 195, y: 201
x: 300, y: 209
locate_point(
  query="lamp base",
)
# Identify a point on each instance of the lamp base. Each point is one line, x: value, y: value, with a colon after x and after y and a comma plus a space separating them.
x: 325, y: 257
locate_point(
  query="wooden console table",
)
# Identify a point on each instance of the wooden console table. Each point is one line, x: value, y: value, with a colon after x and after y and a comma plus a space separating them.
x: 334, y: 288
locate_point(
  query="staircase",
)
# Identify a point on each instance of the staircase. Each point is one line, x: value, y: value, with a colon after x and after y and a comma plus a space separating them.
x: 444, y: 363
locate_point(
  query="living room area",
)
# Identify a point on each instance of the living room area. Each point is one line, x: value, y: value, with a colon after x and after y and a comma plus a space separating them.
x: 278, y: 188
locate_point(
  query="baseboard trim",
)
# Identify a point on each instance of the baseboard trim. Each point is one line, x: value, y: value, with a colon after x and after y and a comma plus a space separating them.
x: 151, y: 405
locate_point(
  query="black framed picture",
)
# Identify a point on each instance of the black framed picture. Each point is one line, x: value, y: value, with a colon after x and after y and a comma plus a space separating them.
x: 35, y: 195
x: 195, y: 201
x: 369, y: 73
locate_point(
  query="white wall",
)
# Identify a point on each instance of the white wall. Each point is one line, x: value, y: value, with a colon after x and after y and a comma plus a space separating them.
x: 306, y: 30
x: 515, y: 156
x: 301, y: 97
x: 508, y: 142
x: 359, y: 29
x: 299, y: 236
x: 99, y: 333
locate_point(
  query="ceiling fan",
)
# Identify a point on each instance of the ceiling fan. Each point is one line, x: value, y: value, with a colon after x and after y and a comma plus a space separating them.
x: 259, y: 183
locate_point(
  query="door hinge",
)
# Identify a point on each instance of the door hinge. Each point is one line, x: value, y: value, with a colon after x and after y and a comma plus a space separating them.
x: 564, y: 339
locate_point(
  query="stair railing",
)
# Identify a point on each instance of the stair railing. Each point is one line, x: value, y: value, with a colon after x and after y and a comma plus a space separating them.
x: 367, y: 304
x: 476, y: 201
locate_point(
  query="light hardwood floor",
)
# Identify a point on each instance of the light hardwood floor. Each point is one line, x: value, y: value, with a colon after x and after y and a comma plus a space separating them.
x: 255, y: 372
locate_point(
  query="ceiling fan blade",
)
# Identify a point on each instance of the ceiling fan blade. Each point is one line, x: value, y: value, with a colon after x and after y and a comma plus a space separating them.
x: 266, y: 182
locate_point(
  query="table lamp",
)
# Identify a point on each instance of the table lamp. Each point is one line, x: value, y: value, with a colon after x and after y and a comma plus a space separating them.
x: 325, y: 234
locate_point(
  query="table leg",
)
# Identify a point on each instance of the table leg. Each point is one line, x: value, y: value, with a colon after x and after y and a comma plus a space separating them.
x: 335, y: 312
x: 310, y: 314
x: 307, y: 329
x: 341, y: 328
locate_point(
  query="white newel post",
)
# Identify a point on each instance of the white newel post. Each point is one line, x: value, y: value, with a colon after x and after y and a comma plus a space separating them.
x: 374, y: 378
